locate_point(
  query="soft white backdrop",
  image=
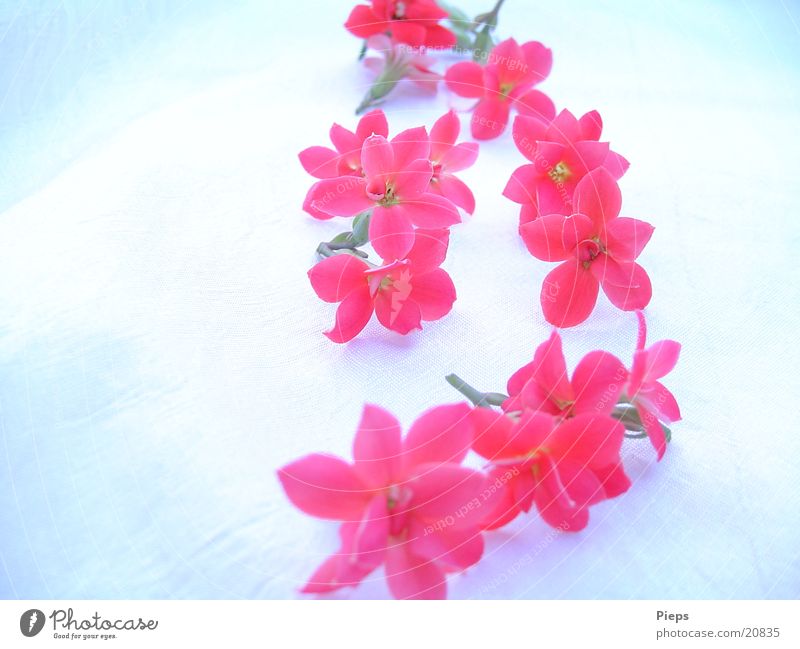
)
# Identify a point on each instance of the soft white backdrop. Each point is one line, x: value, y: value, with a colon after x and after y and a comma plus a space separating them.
x: 160, y: 347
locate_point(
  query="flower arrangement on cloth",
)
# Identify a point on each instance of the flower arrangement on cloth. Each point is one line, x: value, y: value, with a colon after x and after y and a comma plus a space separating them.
x: 405, y: 33
x: 403, y: 196
x: 407, y: 503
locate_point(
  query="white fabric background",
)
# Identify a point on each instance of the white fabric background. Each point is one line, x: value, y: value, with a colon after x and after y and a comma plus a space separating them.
x: 160, y: 347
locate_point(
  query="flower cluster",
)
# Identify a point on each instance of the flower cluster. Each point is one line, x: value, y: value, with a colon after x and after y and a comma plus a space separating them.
x: 403, y: 33
x: 410, y: 505
x: 570, y: 213
x: 403, y: 196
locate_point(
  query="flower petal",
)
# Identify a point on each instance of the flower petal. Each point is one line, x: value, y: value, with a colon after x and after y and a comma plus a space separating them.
x: 396, y: 310
x: 412, y: 577
x: 550, y: 370
x: 429, y: 249
x: 501, y: 504
x: 465, y: 79
x: 654, y: 430
x: 563, y: 494
x: 527, y: 131
x: 377, y: 157
x: 585, y: 156
x: 662, y: 356
x: 564, y: 128
x: 440, y: 434
x: 591, y: 126
x: 535, y: 103
x: 363, y: 22
x: 614, y: 479
x: 539, y: 60
x: 568, y: 295
x: 325, y: 486
x: 616, y: 165
x: 446, y: 494
x: 377, y: 447
x: 626, y: 238
x: 589, y: 440
x: 597, y: 381
x: 598, y: 197
x: 352, y: 316
x: 413, y: 180
x: 555, y: 236
x: 320, y: 161
x: 521, y: 186
x: 461, y: 156
x: 372, y: 123
x: 490, y: 117
x: 444, y: 134
x: 342, y: 196
x: 457, y: 192
x: 410, y: 145
x: 434, y: 293
x: 370, y: 536
x: 391, y: 232
x: 626, y: 283
x: 458, y: 549
x: 334, y: 278
x: 429, y: 211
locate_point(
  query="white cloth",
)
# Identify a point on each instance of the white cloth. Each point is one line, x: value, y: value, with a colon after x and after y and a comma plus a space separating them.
x: 160, y: 346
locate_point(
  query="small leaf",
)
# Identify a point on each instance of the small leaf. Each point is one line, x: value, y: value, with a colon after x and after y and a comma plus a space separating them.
x: 360, y: 234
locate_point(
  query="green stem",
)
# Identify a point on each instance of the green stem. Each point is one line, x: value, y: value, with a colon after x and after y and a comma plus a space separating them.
x: 329, y: 249
x: 478, y: 398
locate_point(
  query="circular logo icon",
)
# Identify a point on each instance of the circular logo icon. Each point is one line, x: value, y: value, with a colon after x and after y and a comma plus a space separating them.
x: 31, y: 622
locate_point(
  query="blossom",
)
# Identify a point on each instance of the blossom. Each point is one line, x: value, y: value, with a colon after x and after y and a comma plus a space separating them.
x: 562, y: 466
x: 561, y: 153
x: 414, y: 22
x: 653, y: 401
x: 345, y: 160
x: 405, y: 502
x: 448, y: 157
x: 395, y: 186
x: 401, y: 293
x: 544, y: 384
x: 596, y: 248
x: 506, y: 80
x: 400, y: 62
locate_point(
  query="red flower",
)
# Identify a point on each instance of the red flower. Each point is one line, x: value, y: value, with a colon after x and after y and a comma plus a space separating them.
x: 506, y: 80
x: 561, y: 466
x: 448, y: 157
x: 405, y: 502
x: 543, y: 384
x: 561, y: 152
x: 322, y: 162
x: 414, y: 22
x: 653, y: 400
x: 401, y: 293
x: 395, y: 185
x: 597, y: 248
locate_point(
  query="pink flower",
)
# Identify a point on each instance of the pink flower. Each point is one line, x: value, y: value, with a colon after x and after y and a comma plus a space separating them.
x: 561, y: 466
x: 395, y: 185
x: 543, y: 384
x: 653, y: 401
x: 561, y: 152
x: 405, y: 503
x: 401, y: 62
x: 506, y: 80
x: 597, y: 248
x: 448, y: 157
x: 401, y: 293
x: 414, y: 22
x: 322, y: 162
